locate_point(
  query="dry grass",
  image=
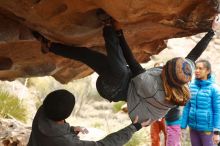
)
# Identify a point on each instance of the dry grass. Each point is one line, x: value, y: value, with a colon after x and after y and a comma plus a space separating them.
x: 11, y: 106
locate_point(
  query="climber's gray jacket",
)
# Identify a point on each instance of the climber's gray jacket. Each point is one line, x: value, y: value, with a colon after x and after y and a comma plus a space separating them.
x: 146, y: 96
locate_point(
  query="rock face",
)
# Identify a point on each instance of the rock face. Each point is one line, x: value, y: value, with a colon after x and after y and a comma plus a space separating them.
x: 13, y: 133
x: 146, y: 25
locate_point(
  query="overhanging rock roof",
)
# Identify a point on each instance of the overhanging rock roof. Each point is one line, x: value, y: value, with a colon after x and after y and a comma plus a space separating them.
x: 146, y: 25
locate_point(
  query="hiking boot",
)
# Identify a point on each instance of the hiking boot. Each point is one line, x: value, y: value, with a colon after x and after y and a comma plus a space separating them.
x: 104, y: 17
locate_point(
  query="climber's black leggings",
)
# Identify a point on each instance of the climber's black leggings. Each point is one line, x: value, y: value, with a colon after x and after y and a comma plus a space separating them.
x: 119, y: 65
x: 113, y: 70
x: 111, y: 64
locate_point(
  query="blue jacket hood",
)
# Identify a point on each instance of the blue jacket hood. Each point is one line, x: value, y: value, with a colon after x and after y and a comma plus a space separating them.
x: 210, y: 80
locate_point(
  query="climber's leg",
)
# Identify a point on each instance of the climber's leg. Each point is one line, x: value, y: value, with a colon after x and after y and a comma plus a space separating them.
x: 97, y: 61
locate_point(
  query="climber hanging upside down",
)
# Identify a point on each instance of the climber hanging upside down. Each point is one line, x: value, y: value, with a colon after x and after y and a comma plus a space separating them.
x: 150, y: 93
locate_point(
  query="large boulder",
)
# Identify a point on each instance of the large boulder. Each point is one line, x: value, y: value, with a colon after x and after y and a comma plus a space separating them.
x: 146, y: 25
x: 13, y: 133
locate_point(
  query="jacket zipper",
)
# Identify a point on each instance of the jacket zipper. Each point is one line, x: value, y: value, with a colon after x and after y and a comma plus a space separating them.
x: 197, y: 105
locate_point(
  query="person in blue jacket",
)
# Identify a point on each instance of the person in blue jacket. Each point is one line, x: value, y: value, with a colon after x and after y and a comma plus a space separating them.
x: 202, y: 112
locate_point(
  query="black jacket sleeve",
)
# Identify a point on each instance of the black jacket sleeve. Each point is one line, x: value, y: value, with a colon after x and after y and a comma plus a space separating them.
x: 196, y: 52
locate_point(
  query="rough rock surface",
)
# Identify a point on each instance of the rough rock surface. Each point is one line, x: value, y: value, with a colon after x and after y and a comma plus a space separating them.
x: 146, y: 24
x: 13, y: 133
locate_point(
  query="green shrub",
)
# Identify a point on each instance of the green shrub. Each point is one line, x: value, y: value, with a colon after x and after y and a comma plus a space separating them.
x: 11, y: 106
x: 38, y: 102
x: 117, y: 106
x: 136, y: 140
x: 43, y: 85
